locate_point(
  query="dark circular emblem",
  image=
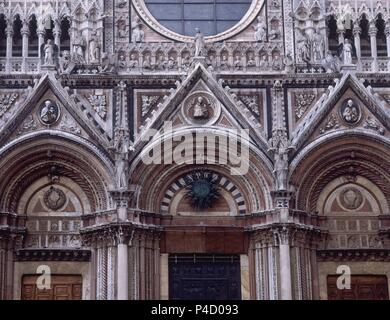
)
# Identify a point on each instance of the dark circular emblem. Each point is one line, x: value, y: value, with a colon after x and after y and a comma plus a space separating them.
x: 351, y: 198
x: 54, y: 198
x: 350, y: 112
x: 202, y: 189
x: 49, y: 112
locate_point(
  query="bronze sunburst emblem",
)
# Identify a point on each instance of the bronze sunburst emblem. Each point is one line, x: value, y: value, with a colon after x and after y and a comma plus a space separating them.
x: 202, y: 189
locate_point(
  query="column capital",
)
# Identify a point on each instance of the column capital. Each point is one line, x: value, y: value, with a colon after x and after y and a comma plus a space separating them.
x: 9, y: 30
x: 372, y: 30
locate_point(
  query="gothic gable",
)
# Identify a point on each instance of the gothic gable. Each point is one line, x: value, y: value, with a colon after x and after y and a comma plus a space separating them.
x: 201, y: 101
x: 49, y: 106
x: 348, y: 105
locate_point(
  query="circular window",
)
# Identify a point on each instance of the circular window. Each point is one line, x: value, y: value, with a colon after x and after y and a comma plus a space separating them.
x: 210, y: 16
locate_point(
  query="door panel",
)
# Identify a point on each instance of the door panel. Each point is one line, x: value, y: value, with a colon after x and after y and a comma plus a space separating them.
x: 362, y: 288
x: 201, y: 277
x: 63, y: 287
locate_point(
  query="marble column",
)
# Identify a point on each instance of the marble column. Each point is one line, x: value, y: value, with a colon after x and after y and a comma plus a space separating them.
x: 372, y: 31
x: 41, y: 39
x: 123, y: 269
x: 9, y: 32
x: 25, y: 33
x: 356, y: 33
x: 285, y: 264
x: 387, y: 32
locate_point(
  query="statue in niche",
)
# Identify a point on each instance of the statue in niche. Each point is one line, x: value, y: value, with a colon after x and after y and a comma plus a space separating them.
x: 199, y: 43
x: 251, y: 60
x: 347, y: 52
x: 122, y: 64
x: 49, y: 54
x: 108, y: 64
x: 121, y: 147
x: 147, y: 64
x: 79, y: 45
x: 137, y: 34
x: 201, y: 108
x: 288, y: 63
x: 94, y: 48
x: 224, y: 62
x: 48, y: 50
x: 133, y: 63
x: 264, y: 64
x: 237, y: 63
x: 281, y: 170
x: 49, y: 113
x: 260, y: 30
x: 350, y: 112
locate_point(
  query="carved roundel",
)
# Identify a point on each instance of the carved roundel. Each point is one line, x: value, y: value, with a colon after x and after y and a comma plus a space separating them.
x: 350, y: 112
x: 54, y: 198
x: 49, y: 112
x: 201, y: 108
x: 351, y: 198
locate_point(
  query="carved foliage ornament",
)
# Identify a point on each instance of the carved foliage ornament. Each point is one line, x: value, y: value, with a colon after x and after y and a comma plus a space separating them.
x: 6, y: 101
x: 303, y: 102
x: 99, y: 104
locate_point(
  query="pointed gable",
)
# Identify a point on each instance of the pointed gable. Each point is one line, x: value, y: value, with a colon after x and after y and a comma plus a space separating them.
x: 71, y: 119
x: 324, y: 112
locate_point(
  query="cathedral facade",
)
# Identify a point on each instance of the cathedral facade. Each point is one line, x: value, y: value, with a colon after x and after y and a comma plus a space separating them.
x: 180, y: 149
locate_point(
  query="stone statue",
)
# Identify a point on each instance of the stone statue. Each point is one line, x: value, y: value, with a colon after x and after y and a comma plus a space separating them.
x: 108, y: 64
x: 79, y: 45
x: 351, y: 113
x: 120, y: 172
x: 347, y: 52
x: 281, y: 170
x: 288, y: 63
x: 66, y: 63
x: 94, y: 49
x: 200, y: 108
x: 49, y: 112
x: 330, y: 63
x: 199, y: 43
x: 260, y: 30
x: 49, y: 53
x: 137, y: 34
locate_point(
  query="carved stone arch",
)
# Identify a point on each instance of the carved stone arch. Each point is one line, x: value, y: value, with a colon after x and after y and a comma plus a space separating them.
x: 154, y: 179
x: 345, y: 155
x: 43, y: 155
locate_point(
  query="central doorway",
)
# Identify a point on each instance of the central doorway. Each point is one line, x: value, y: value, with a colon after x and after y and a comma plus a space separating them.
x: 204, y: 277
x: 63, y: 287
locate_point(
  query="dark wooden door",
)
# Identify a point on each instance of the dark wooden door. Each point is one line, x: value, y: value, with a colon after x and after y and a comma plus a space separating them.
x: 362, y: 288
x: 63, y: 287
x: 204, y: 277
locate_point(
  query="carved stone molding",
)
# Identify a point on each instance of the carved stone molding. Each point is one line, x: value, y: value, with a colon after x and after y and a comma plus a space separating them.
x: 52, y: 255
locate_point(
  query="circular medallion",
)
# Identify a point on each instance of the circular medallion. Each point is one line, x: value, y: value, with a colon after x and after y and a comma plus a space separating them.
x: 202, y: 189
x: 49, y: 112
x: 201, y: 108
x: 351, y: 198
x: 350, y: 112
x: 54, y: 198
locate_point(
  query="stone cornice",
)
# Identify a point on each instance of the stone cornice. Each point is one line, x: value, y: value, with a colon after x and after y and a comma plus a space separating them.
x: 53, y: 255
x: 380, y: 255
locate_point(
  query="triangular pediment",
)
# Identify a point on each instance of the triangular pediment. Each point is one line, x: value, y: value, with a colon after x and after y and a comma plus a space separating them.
x: 202, y: 102
x: 346, y: 106
x: 65, y: 115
